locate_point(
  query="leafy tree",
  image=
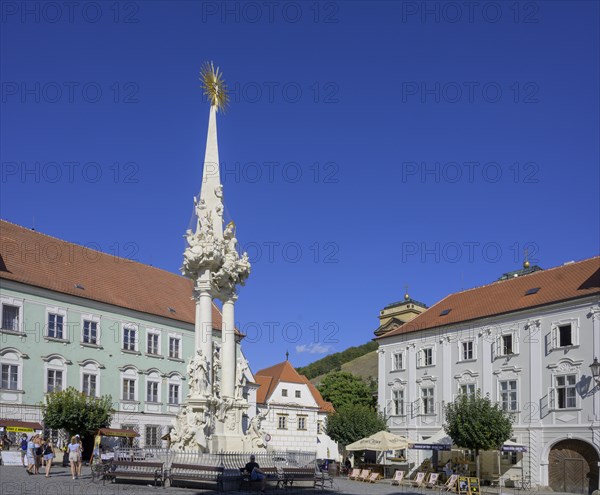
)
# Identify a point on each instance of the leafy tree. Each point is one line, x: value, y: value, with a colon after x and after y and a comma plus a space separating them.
x: 76, y: 412
x: 342, y: 388
x: 473, y: 422
x: 351, y: 422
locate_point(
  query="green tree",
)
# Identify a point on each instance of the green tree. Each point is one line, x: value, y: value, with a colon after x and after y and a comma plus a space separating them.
x: 342, y: 388
x: 473, y: 422
x: 352, y: 422
x: 76, y: 412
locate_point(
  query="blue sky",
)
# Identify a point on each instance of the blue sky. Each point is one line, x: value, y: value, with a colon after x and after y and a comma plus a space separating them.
x: 368, y: 145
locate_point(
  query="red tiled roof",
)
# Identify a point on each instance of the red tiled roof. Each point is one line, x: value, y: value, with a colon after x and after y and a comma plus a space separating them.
x: 268, y: 379
x: 566, y: 282
x: 39, y: 260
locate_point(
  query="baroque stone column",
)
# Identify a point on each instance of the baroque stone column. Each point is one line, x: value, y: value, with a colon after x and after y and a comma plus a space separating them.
x: 228, y: 372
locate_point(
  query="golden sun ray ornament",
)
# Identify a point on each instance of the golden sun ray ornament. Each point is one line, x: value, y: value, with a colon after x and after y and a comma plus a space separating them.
x: 214, y: 86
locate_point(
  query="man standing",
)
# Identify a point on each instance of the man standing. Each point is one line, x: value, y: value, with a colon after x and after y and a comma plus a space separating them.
x: 23, y: 449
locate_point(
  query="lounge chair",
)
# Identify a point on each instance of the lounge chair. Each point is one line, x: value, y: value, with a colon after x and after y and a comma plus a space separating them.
x: 432, y: 482
x: 398, y: 477
x: 450, y: 485
x: 418, y: 480
x: 364, y: 474
x: 373, y: 478
x: 354, y: 474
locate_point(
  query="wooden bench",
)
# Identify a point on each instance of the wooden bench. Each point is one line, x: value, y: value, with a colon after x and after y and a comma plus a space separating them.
x: 322, y: 479
x: 136, y: 470
x: 196, y: 473
x: 272, y: 476
x: 290, y: 475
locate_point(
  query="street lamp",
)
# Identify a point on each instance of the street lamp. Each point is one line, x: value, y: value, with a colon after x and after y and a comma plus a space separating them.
x: 595, y: 367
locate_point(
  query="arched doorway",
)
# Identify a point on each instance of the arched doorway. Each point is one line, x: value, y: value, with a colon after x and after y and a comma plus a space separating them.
x: 573, y: 467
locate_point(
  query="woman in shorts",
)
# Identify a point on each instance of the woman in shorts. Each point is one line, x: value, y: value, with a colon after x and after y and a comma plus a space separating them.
x: 74, y: 450
x: 48, y: 455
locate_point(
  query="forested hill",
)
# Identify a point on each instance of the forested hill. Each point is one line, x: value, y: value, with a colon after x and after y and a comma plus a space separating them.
x: 334, y: 362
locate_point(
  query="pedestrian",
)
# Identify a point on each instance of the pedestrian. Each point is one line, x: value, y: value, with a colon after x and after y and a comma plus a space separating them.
x: 31, y: 455
x: 24, y: 449
x: 39, y: 452
x: 48, y: 455
x: 79, y: 464
x: 74, y: 450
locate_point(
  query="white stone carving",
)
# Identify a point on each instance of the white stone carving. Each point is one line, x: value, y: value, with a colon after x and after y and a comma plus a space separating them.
x: 254, y: 437
x: 197, y: 370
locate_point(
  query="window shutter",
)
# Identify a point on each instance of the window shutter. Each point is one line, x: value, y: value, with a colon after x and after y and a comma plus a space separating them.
x: 515, y: 343
x: 551, y: 398
x: 474, y: 349
x: 554, y: 337
x: 416, y: 407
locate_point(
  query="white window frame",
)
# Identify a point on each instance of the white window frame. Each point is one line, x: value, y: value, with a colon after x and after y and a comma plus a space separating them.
x: 18, y: 303
x: 130, y: 327
x: 461, y: 350
x: 176, y: 337
x: 429, y: 398
x: 302, y: 422
x: 153, y: 379
x: 555, y: 333
x: 397, y: 403
x: 468, y: 393
x: 298, y: 394
x: 171, y: 386
x: 284, y: 392
x: 55, y: 363
x: 90, y: 368
x: 157, y: 431
x: 54, y: 310
x: 421, y: 356
x: 92, y: 319
x: 13, y: 357
x: 282, y: 419
x: 499, y: 345
x: 553, y: 392
x: 129, y: 373
x: 154, y: 334
x: 398, y: 361
x: 508, y: 391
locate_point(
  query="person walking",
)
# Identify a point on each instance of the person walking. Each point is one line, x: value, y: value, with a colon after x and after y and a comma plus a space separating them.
x: 39, y: 456
x: 31, y: 455
x: 80, y: 463
x: 48, y: 455
x: 74, y: 450
x: 24, y: 449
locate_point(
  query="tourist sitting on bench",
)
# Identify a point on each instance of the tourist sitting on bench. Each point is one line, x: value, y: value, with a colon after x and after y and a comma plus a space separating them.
x: 255, y: 473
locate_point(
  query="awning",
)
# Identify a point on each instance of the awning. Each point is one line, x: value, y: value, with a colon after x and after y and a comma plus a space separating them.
x: 380, y: 441
x: 439, y: 441
x: 117, y: 432
x: 20, y: 426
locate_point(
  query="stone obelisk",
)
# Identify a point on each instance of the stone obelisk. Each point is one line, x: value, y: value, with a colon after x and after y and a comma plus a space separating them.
x: 211, y: 418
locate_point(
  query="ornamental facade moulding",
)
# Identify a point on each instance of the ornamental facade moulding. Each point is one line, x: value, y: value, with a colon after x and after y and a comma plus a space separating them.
x: 566, y: 365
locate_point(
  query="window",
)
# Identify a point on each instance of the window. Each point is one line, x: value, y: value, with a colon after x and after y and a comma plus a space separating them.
x: 153, y: 343
x: 55, y: 326
x: 427, y: 400
x: 398, y: 402
x: 173, y: 393
x: 284, y: 392
x: 128, y: 389
x: 509, y: 458
x: 174, y: 346
x: 508, y: 395
x: 319, y: 427
x: 10, y: 377
x: 153, y: 436
x: 397, y: 361
x: 565, y: 334
x: 468, y: 389
x: 302, y: 422
x: 10, y: 318
x: 298, y: 394
x: 565, y: 392
x: 282, y: 422
x: 90, y: 332
x: 507, y: 345
x: 426, y: 356
x: 89, y: 385
x: 468, y: 351
x: 129, y: 339
x: 54, y: 381
x: 152, y: 392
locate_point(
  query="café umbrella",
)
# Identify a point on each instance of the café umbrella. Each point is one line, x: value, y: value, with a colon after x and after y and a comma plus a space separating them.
x: 380, y: 441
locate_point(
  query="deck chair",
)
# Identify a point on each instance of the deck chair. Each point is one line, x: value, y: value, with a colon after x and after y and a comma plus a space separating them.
x: 418, y: 481
x: 450, y: 485
x: 398, y: 477
x: 373, y: 478
x: 354, y: 474
x: 432, y: 482
x: 364, y: 474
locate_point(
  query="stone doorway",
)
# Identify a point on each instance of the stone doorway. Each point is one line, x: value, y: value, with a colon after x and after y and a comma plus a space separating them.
x: 573, y: 467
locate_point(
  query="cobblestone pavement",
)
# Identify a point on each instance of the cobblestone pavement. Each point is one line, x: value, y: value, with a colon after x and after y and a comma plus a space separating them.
x: 15, y: 481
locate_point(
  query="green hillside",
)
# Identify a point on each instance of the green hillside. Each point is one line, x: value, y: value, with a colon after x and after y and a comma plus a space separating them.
x: 339, y: 360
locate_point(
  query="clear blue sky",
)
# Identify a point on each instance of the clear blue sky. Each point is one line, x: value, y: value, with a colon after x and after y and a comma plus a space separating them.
x: 368, y: 145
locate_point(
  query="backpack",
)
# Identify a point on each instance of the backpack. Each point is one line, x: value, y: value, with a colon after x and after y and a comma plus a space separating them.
x: 24, y: 445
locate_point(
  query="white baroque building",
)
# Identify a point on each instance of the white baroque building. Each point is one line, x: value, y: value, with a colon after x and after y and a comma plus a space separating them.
x: 526, y: 340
